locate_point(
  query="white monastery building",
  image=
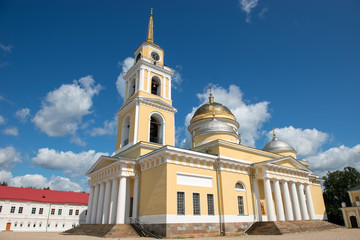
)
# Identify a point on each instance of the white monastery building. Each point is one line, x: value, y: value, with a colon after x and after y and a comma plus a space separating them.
x: 217, y: 186
x: 37, y: 210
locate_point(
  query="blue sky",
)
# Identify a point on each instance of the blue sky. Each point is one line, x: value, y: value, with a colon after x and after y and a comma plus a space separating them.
x: 289, y: 65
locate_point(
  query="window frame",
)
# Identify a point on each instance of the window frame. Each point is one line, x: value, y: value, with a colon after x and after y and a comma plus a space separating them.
x: 241, y: 207
x: 12, y: 209
x: 33, y: 210
x: 180, y: 203
x: 196, y: 205
x: 210, y: 205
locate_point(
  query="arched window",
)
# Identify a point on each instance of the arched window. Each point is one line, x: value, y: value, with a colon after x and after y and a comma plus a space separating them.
x: 155, y: 86
x: 125, y: 131
x: 138, y: 57
x: 239, y: 186
x: 156, y: 129
x: 132, y: 87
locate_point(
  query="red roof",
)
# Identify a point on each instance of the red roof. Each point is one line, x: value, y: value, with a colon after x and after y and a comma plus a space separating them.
x: 44, y: 196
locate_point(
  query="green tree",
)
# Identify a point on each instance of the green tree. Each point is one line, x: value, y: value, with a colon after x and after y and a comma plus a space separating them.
x: 3, y: 184
x: 336, y: 185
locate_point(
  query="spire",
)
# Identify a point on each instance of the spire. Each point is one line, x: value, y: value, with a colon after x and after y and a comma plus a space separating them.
x: 211, y: 98
x: 273, y: 130
x: 150, y: 35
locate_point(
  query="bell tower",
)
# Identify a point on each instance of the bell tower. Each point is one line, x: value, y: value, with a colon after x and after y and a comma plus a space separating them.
x: 147, y: 117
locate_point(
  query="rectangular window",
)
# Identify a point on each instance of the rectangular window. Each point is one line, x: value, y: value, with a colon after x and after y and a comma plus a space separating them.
x: 77, y: 212
x: 52, y: 211
x: 180, y: 203
x: 0, y: 208
x: 241, y: 205
x: 357, y: 199
x: 12, y: 210
x: 210, y: 202
x: 196, y: 203
x: 33, y: 210
x: 20, y: 210
x: 59, y: 211
x: 41, y: 210
x: 70, y: 212
x: 86, y: 212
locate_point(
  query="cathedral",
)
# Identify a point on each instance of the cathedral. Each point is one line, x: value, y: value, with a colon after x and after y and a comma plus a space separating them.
x: 217, y: 187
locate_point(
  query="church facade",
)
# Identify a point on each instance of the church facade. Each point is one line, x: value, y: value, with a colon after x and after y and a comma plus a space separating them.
x: 219, y: 186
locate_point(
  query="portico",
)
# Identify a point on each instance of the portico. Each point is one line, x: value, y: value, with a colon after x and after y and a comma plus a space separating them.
x: 110, y: 201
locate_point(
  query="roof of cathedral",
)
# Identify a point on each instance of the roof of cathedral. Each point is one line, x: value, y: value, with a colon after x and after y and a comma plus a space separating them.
x: 45, y: 196
x: 276, y: 146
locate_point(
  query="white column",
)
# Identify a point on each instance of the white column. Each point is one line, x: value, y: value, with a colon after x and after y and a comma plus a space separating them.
x: 91, y: 197
x: 303, y: 207
x: 269, y: 201
x: 295, y: 201
x: 100, y: 204
x: 287, y: 202
x: 95, y: 204
x: 309, y: 202
x: 120, y: 215
x: 278, y: 201
x: 113, y: 202
x: 141, y: 79
x: 257, y: 200
x: 135, y: 197
x: 127, y: 202
x: 105, y: 215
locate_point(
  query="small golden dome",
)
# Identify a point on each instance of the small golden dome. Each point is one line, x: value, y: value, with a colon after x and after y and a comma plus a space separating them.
x: 212, y: 109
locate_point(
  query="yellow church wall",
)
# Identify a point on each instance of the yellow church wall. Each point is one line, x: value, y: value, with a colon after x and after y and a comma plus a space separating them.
x: 173, y: 188
x: 153, y: 191
x: 353, y: 195
x: 135, y: 152
x: 166, y: 87
x: 287, y: 154
x: 240, y: 154
x: 144, y: 116
x: 153, y: 96
x: 214, y: 136
x: 318, y: 200
x: 229, y: 194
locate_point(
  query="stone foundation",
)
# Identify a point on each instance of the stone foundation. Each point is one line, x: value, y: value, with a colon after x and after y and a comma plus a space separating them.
x: 181, y: 230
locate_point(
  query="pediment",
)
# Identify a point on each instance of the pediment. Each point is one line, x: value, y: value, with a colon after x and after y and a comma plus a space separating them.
x: 289, y: 162
x: 102, y: 162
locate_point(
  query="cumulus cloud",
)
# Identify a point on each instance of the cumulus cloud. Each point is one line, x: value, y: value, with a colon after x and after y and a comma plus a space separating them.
x: 6, y: 48
x: 11, y: 131
x: 120, y: 83
x: 251, y: 117
x: 109, y: 128
x: 2, y: 120
x: 306, y: 142
x: 334, y: 159
x: 23, y: 114
x: 247, y: 6
x: 73, y: 164
x: 8, y: 158
x: 177, y: 78
x: 39, y: 181
x: 78, y: 141
x: 63, y: 109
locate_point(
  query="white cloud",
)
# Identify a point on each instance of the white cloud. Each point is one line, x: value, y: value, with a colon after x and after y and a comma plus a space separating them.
x: 23, y: 114
x: 11, y: 131
x: 63, y: 109
x: 306, y: 142
x: 2, y: 120
x: 120, y: 83
x: 6, y: 48
x: 8, y: 157
x: 73, y: 164
x: 334, y: 159
x: 247, y: 6
x: 108, y: 129
x: 250, y: 116
x: 39, y: 181
x: 177, y: 78
x: 77, y: 140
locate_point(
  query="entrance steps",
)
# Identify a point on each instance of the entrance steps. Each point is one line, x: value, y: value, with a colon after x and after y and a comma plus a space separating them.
x: 104, y: 230
x: 282, y: 227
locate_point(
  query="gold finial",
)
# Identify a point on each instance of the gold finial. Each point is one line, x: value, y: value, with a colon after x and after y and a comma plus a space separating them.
x: 211, y: 98
x: 150, y: 35
x: 273, y: 132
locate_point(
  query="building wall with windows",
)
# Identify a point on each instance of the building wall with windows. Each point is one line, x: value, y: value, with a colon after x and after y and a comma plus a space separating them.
x: 36, y: 210
x: 351, y: 214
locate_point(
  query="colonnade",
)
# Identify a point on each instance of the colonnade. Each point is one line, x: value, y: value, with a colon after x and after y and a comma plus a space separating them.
x: 291, y: 203
x: 109, y: 201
